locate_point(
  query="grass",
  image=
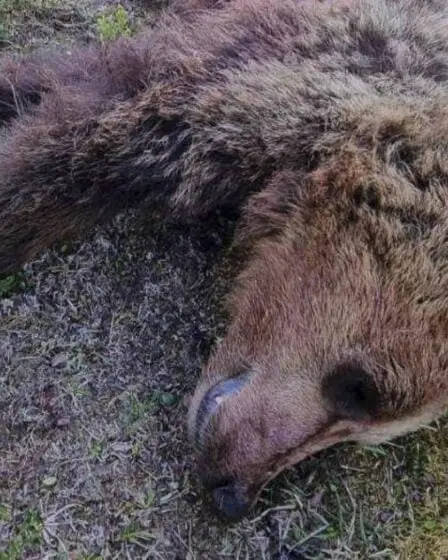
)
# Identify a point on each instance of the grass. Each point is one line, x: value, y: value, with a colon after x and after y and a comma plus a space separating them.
x: 98, y: 350
x: 32, y: 23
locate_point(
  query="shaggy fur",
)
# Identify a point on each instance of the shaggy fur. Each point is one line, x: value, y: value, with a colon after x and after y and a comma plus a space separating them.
x: 326, y: 125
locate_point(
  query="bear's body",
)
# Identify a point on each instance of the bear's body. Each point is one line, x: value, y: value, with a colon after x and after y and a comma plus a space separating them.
x: 326, y: 124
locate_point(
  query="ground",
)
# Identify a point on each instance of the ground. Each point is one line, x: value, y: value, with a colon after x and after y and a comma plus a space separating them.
x: 101, y: 343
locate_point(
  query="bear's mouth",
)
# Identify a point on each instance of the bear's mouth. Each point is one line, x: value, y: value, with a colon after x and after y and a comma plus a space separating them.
x: 234, y: 501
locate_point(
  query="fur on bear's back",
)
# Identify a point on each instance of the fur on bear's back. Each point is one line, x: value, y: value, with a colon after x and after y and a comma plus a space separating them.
x: 210, y: 104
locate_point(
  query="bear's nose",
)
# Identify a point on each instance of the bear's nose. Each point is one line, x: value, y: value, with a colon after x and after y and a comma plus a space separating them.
x: 231, y: 501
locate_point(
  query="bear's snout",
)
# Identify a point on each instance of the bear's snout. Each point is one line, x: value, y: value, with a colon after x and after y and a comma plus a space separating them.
x: 230, y: 499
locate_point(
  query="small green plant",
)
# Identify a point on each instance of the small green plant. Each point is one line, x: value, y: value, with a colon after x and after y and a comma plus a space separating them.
x: 28, y: 536
x: 4, y: 514
x: 2, y: 33
x: 133, y: 534
x: 113, y: 25
x: 96, y: 449
x: 10, y: 285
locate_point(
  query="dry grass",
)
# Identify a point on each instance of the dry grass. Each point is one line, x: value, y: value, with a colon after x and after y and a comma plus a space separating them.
x: 101, y: 342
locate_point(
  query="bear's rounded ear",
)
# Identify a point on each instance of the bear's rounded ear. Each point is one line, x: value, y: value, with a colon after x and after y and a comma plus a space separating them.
x: 351, y: 392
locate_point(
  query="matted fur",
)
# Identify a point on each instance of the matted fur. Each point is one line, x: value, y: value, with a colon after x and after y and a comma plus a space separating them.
x: 326, y: 125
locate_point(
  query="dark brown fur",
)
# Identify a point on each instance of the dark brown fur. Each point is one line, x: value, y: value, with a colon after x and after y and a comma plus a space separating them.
x: 326, y: 124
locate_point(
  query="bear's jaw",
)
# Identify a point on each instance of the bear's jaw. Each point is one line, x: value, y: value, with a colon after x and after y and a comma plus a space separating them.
x: 234, y: 498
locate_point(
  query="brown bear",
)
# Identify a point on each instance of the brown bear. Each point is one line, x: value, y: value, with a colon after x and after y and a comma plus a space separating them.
x: 325, y: 125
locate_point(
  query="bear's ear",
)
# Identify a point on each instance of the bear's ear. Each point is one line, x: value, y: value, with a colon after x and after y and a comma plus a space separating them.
x: 351, y: 392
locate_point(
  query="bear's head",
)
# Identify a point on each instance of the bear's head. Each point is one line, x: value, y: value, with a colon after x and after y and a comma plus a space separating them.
x: 338, y: 325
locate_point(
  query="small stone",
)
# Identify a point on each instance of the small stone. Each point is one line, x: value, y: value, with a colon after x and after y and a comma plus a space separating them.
x: 316, y: 500
x: 59, y: 360
x: 167, y: 399
x: 385, y: 516
x: 49, y: 481
x: 62, y: 422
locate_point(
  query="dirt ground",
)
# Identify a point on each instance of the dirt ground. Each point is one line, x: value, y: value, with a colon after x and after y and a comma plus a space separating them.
x: 101, y: 343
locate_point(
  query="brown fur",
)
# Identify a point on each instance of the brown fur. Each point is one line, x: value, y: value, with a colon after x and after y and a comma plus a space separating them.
x: 326, y: 124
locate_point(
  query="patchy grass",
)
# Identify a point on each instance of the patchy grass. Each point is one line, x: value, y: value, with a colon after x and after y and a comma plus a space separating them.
x: 32, y: 23
x: 98, y: 350
x: 29, y: 24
